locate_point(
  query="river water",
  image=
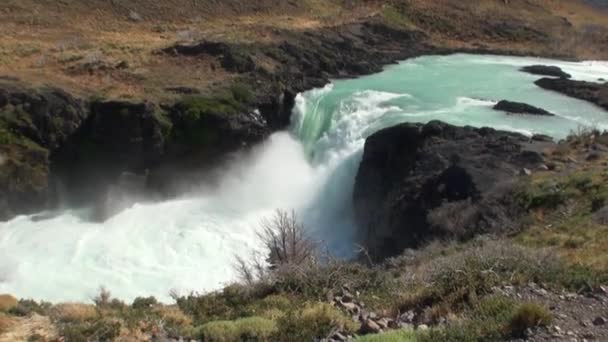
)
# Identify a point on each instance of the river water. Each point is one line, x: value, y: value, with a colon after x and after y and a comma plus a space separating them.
x: 190, y: 244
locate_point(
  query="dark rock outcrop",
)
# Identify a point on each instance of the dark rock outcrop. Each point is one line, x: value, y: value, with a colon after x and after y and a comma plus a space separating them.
x: 520, y: 108
x: 117, y: 136
x: 33, y: 122
x: 546, y: 70
x: 596, y: 93
x: 46, y: 116
x: 421, y: 182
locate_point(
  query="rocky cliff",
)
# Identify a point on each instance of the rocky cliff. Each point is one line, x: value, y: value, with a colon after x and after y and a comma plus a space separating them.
x: 422, y: 182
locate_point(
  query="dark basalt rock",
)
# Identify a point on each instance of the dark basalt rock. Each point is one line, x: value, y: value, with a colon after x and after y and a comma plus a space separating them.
x: 47, y: 116
x: 33, y: 122
x: 421, y: 182
x: 596, y: 93
x: 520, y: 108
x: 546, y: 70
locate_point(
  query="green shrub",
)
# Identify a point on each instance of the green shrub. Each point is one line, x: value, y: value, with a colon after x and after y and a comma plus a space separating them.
x: 143, y: 302
x: 26, y: 307
x: 391, y: 336
x: 314, y: 321
x: 244, y: 329
x: 102, y: 330
x: 241, y: 92
x: 528, y: 315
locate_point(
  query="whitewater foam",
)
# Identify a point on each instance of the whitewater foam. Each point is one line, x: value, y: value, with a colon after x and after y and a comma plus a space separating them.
x: 189, y: 244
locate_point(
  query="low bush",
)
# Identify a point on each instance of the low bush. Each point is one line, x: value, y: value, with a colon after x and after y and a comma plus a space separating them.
x: 73, y: 312
x: 527, y: 316
x: 244, y: 329
x: 100, y: 330
x: 403, y: 335
x: 313, y: 322
x: 27, y: 307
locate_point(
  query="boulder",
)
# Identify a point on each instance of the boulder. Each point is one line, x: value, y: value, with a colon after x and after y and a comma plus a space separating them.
x: 419, y: 182
x: 520, y: 108
x: 545, y: 70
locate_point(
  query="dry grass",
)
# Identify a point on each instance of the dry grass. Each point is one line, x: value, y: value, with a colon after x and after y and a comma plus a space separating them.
x: 73, y: 312
x: 173, y: 316
x: 5, y: 323
x: 56, y: 41
x: 7, y: 302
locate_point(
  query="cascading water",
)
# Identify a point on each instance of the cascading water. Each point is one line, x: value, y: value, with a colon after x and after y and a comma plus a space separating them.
x: 189, y: 244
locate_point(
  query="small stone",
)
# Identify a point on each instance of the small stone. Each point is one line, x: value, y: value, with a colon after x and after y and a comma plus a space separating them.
x: 370, y: 327
x: 134, y: 16
x: 570, y: 333
x: 350, y: 307
x: 543, y: 167
x: 407, y: 317
x: 347, y: 297
x: 405, y: 325
x: 383, y: 323
x: 338, y: 337
x: 599, y: 320
x: 373, y: 315
x: 525, y: 172
x: 392, y: 324
x: 423, y: 327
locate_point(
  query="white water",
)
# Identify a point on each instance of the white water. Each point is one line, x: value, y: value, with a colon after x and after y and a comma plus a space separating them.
x: 190, y: 244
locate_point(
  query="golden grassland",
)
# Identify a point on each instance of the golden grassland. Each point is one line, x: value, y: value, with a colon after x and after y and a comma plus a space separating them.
x: 78, y: 44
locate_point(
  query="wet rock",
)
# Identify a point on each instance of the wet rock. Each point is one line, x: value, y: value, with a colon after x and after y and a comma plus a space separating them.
x: 593, y: 92
x: 520, y: 108
x: 415, y: 181
x: 542, y: 137
x: 545, y: 70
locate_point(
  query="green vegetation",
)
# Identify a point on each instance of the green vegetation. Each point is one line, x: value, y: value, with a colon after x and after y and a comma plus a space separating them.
x: 566, y: 209
x: 313, y: 322
x: 495, y: 318
x: 395, y: 15
x: 26, y: 307
x: 194, y: 110
x: 225, y: 102
x: 391, y: 336
x: 244, y: 329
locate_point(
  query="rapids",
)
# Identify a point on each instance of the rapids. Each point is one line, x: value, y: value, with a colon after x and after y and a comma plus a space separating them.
x: 190, y: 244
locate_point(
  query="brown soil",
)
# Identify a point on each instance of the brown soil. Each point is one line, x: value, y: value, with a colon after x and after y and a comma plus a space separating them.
x: 95, y: 47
